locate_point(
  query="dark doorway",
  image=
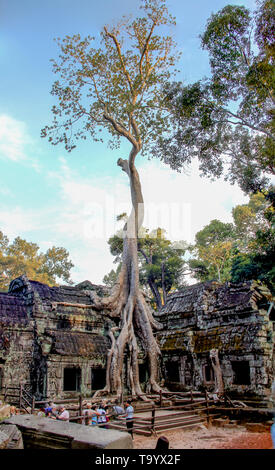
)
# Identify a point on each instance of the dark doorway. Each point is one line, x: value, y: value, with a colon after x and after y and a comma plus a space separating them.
x: 143, y: 373
x: 208, y: 374
x: 172, y: 371
x: 241, y: 372
x: 98, y: 377
x: 72, y: 379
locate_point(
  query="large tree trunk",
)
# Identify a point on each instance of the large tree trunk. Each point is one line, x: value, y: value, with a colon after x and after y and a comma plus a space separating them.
x: 219, y: 385
x: 127, y: 301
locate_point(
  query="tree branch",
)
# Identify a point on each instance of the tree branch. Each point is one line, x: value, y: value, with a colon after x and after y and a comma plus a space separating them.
x: 126, y: 73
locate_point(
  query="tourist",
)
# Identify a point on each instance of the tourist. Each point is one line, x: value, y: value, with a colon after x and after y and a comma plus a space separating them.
x: 87, y: 413
x: 95, y: 414
x: 51, y: 409
x: 63, y: 414
x: 129, y: 417
x: 118, y: 410
x: 41, y: 413
x: 12, y: 410
x: 108, y: 413
x: 101, y: 417
x: 162, y: 444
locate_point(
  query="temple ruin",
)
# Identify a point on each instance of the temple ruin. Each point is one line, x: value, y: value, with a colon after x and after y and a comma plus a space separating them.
x: 55, y: 340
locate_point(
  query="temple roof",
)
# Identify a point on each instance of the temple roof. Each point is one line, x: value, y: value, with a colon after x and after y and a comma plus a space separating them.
x: 78, y: 294
x: 78, y: 344
x: 212, y: 296
x: 12, y: 309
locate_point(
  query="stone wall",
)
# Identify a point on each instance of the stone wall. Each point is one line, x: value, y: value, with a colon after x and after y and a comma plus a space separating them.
x: 232, y: 319
x: 47, y: 333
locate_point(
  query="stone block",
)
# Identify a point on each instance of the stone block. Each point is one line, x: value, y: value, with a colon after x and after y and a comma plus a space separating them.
x: 46, y: 433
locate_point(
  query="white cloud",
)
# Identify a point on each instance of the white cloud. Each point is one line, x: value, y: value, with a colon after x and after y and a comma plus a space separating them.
x: 186, y: 202
x: 13, y: 138
x: 15, y: 221
x: 182, y: 204
x: 15, y: 142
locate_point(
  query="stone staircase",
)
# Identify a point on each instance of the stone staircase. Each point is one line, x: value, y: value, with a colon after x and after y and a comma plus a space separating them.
x: 147, y: 425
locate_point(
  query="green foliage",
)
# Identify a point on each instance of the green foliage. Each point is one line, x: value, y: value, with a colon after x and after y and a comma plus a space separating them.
x: 227, y: 121
x: 111, y: 278
x: 258, y: 261
x: 215, y: 232
x: 22, y: 257
x: 213, y: 251
x: 241, y: 251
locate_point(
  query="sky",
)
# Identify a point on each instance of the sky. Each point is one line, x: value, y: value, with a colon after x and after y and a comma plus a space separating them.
x: 55, y: 198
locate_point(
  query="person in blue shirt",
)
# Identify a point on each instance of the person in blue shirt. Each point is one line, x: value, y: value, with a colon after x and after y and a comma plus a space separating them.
x: 129, y: 417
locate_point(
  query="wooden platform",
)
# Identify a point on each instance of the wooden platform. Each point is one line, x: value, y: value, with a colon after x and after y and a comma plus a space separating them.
x: 147, y: 423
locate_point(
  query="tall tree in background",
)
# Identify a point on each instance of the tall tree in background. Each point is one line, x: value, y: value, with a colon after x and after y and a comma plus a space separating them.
x: 213, y: 252
x: 119, y: 87
x: 254, y: 259
x: 241, y: 251
x: 23, y: 257
x: 227, y: 121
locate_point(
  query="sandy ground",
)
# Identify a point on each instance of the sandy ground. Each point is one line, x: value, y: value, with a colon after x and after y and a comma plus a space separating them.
x: 209, y: 438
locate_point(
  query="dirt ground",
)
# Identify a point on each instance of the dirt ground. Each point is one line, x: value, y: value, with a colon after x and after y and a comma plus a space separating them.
x: 209, y: 438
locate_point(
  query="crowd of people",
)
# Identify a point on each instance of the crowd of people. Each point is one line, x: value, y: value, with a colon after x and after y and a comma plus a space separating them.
x: 93, y: 415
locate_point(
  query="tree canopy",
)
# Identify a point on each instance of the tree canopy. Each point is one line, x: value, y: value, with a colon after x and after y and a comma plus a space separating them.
x: 227, y: 120
x: 23, y: 257
x: 244, y: 250
x: 117, y: 86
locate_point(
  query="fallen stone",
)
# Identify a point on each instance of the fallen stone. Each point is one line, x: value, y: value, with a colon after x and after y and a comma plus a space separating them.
x: 13, y: 436
x: 3, y: 440
x: 45, y: 433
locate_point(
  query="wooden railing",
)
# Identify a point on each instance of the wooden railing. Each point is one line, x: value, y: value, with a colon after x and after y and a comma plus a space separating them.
x: 182, y: 401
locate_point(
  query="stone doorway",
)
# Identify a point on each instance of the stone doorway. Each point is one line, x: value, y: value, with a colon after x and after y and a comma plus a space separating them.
x: 71, y: 379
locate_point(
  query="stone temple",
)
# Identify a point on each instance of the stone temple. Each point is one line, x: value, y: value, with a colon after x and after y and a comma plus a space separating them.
x: 54, y: 340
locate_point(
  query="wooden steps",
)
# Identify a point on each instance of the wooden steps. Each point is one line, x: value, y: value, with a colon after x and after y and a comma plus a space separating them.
x: 147, y: 425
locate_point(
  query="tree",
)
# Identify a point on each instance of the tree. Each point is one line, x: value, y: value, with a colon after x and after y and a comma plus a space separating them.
x: 22, y: 257
x: 161, y: 262
x: 256, y: 261
x: 119, y: 90
x: 213, y: 250
x: 227, y: 121
x: 241, y: 251
x: 249, y: 219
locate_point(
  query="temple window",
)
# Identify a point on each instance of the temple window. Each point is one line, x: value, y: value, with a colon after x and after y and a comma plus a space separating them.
x: 241, y: 372
x: 208, y: 373
x: 98, y: 378
x: 72, y: 379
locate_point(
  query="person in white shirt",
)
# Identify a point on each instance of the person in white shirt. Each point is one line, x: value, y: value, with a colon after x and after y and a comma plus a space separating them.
x: 101, y: 416
x: 63, y: 415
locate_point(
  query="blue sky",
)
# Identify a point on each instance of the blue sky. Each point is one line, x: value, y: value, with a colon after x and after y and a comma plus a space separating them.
x: 54, y: 198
